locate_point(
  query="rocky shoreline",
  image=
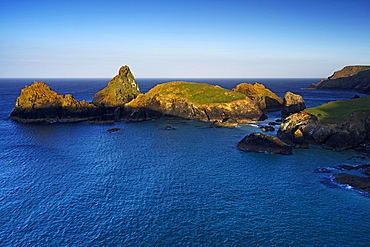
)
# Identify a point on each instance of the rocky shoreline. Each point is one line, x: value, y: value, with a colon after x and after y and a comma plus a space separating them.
x: 122, y: 100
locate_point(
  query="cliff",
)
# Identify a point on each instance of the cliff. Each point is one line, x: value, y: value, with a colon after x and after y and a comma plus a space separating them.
x: 198, y: 101
x: 264, y: 98
x: 38, y: 103
x: 120, y: 90
x: 355, y: 78
x: 337, y: 125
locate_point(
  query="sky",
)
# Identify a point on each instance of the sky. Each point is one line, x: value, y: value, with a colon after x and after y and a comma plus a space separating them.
x: 182, y: 39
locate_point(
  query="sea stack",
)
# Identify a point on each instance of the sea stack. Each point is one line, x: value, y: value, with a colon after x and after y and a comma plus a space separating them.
x: 120, y: 90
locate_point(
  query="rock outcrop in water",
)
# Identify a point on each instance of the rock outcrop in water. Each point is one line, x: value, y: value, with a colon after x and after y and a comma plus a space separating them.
x: 302, y: 129
x: 361, y: 184
x: 293, y: 103
x: 259, y: 142
x: 355, y: 78
x: 38, y: 103
x: 120, y: 90
x: 197, y: 101
x: 265, y: 99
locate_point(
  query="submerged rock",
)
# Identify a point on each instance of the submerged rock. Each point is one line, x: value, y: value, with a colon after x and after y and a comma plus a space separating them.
x: 361, y: 184
x: 168, y: 127
x: 264, y: 143
x: 322, y: 170
x: 357, y: 167
x: 113, y: 129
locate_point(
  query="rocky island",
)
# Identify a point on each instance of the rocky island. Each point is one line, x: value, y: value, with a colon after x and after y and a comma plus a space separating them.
x: 122, y: 100
x: 38, y: 103
x: 356, y: 78
x: 197, y: 101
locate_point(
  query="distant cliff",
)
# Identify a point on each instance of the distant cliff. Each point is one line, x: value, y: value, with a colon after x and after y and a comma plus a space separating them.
x: 198, y: 101
x: 355, y: 78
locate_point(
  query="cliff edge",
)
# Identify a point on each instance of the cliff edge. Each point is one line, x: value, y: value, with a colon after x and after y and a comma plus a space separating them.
x: 355, y: 78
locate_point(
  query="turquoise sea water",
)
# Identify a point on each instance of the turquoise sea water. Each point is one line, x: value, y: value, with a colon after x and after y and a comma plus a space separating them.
x: 75, y: 184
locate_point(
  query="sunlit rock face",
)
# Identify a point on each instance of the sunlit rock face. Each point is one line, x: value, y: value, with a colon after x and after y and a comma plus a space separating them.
x: 198, y: 101
x: 120, y: 90
x: 265, y: 99
x: 39, y: 103
x: 293, y: 103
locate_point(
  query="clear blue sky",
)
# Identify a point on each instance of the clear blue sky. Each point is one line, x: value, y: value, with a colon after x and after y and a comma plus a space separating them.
x: 183, y: 39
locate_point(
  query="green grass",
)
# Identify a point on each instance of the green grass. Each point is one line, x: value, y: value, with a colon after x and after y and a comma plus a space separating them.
x: 202, y: 93
x: 350, y: 71
x: 336, y: 111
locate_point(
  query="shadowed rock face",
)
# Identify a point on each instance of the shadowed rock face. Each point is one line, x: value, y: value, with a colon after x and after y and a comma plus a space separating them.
x: 261, y: 96
x: 39, y: 103
x: 120, y: 90
x: 293, y: 103
x: 355, y: 78
x: 259, y: 142
x: 301, y: 129
x: 196, y: 101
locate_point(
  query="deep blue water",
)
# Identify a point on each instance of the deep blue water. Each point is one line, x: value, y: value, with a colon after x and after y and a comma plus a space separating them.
x: 75, y: 184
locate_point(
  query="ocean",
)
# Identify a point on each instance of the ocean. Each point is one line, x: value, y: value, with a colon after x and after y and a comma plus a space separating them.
x: 76, y: 184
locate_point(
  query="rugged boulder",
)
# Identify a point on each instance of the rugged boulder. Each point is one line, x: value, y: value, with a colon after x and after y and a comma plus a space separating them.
x: 38, y: 103
x: 259, y: 142
x: 120, y: 90
x: 355, y: 78
x: 361, y: 184
x: 198, y: 101
x: 261, y: 96
x: 293, y: 103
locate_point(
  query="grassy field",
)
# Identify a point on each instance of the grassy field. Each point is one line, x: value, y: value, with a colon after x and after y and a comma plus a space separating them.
x: 201, y: 93
x: 336, y: 111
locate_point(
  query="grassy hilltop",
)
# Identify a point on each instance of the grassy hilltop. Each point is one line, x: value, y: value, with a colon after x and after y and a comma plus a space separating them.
x: 198, y: 93
x: 336, y: 111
